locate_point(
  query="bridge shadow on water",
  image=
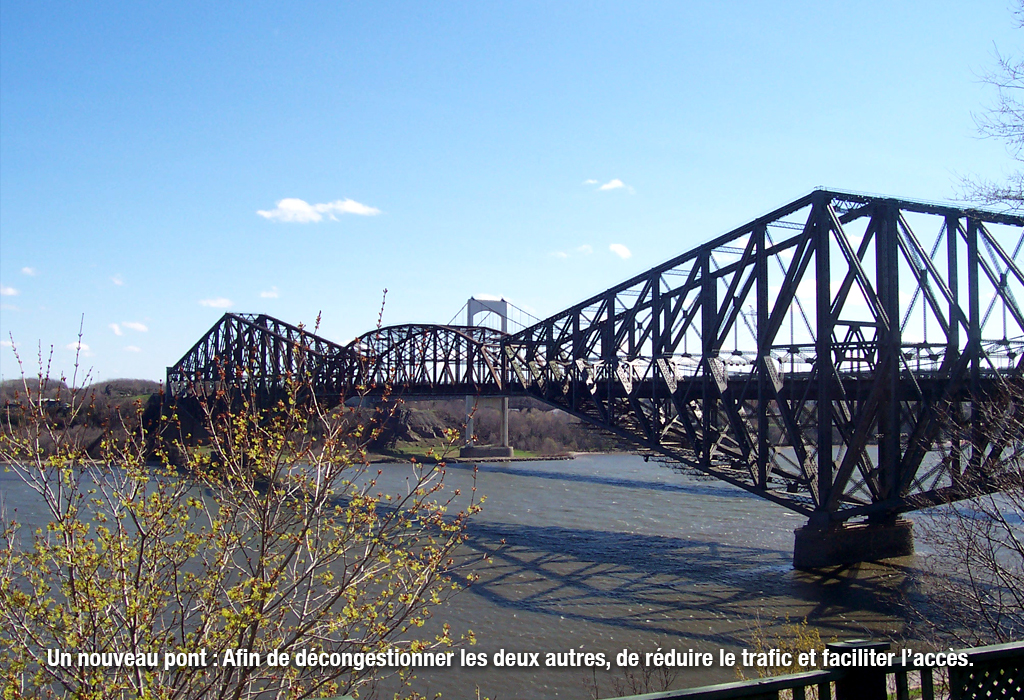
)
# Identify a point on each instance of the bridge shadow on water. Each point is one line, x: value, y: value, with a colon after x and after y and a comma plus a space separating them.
x: 709, y: 488
x: 704, y: 591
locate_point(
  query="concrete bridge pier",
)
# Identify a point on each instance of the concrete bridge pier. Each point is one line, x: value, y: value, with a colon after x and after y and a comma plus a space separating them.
x: 470, y: 449
x: 840, y: 544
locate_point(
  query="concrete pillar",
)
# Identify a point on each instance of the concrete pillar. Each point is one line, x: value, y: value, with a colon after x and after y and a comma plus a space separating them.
x: 504, y: 421
x: 843, y: 543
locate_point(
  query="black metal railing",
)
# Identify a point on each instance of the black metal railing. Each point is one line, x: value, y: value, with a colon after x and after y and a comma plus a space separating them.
x: 991, y: 672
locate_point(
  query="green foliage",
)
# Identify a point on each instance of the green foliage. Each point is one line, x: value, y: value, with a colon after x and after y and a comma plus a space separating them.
x: 791, y: 638
x: 270, y: 535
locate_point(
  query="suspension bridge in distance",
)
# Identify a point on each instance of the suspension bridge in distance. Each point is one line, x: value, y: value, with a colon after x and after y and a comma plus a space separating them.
x: 835, y: 356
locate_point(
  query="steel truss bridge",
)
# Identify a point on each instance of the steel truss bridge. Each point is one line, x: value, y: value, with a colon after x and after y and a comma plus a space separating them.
x: 825, y: 356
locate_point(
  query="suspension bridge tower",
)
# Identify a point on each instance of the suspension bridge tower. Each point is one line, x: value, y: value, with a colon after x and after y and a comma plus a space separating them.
x: 470, y: 449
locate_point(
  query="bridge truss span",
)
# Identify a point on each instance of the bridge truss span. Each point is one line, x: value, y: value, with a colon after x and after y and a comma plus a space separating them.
x: 432, y: 360
x: 827, y: 356
x: 258, y: 354
x: 815, y: 356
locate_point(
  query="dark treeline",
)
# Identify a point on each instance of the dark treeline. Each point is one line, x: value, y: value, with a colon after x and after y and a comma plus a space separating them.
x: 97, y: 403
x: 532, y: 426
x: 116, y: 403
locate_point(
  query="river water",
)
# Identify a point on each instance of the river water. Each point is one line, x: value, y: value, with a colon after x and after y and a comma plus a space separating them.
x: 608, y: 552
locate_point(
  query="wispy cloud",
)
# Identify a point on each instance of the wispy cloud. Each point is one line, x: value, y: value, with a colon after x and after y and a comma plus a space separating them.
x: 299, y: 211
x: 116, y: 279
x: 216, y: 303
x: 585, y: 249
x: 270, y: 293
x: 132, y: 348
x: 30, y: 271
x: 6, y: 344
x: 8, y: 291
x: 80, y: 347
x: 620, y: 250
x: 614, y: 184
x: 136, y: 326
x: 116, y: 328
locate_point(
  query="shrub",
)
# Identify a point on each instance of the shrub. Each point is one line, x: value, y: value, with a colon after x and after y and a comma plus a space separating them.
x: 271, y: 535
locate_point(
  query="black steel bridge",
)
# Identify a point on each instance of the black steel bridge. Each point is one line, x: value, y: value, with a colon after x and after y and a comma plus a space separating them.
x: 832, y: 356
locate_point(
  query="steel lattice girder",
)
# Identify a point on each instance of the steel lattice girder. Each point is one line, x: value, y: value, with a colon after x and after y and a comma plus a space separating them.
x: 918, y: 319
x: 858, y: 322
x: 258, y: 354
x: 431, y: 360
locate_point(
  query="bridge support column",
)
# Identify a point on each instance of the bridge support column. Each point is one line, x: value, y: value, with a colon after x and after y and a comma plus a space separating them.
x: 504, y: 422
x: 470, y: 450
x: 845, y: 543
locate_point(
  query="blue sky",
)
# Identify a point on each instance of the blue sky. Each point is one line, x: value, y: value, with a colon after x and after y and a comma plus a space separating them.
x: 161, y: 163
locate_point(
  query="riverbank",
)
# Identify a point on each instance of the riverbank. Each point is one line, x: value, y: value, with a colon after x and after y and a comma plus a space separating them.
x: 432, y: 452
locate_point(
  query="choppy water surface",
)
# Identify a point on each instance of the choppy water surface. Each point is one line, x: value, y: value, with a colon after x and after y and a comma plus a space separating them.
x: 607, y: 552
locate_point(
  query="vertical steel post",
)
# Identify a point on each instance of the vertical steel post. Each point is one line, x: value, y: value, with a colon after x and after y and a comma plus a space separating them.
x: 577, y: 353
x: 708, y: 336
x: 888, y: 364
x: 763, y: 356
x: 974, y: 339
x: 609, y: 354
x: 861, y: 682
x: 657, y: 351
x: 824, y: 363
x: 953, y: 341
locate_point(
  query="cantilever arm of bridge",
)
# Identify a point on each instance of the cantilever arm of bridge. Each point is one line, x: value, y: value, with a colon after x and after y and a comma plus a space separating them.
x: 824, y: 356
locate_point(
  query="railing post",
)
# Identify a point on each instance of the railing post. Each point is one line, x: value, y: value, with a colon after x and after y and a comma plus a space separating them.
x: 861, y: 682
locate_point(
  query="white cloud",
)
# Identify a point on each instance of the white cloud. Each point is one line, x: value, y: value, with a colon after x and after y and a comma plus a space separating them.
x: 559, y: 254
x: 116, y: 328
x: 585, y: 249
x: 6, y: 344
x: 270, y: 293
x: 8, y: 291
x: 620, y: 250
x: 302, y: 212
x: 30, y: 271
x: 116, y: 279
x: 136, y: 326
x: 132, y: 348
x: 614, y: 184
x: 80, y: 347
x: 217, y: 303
